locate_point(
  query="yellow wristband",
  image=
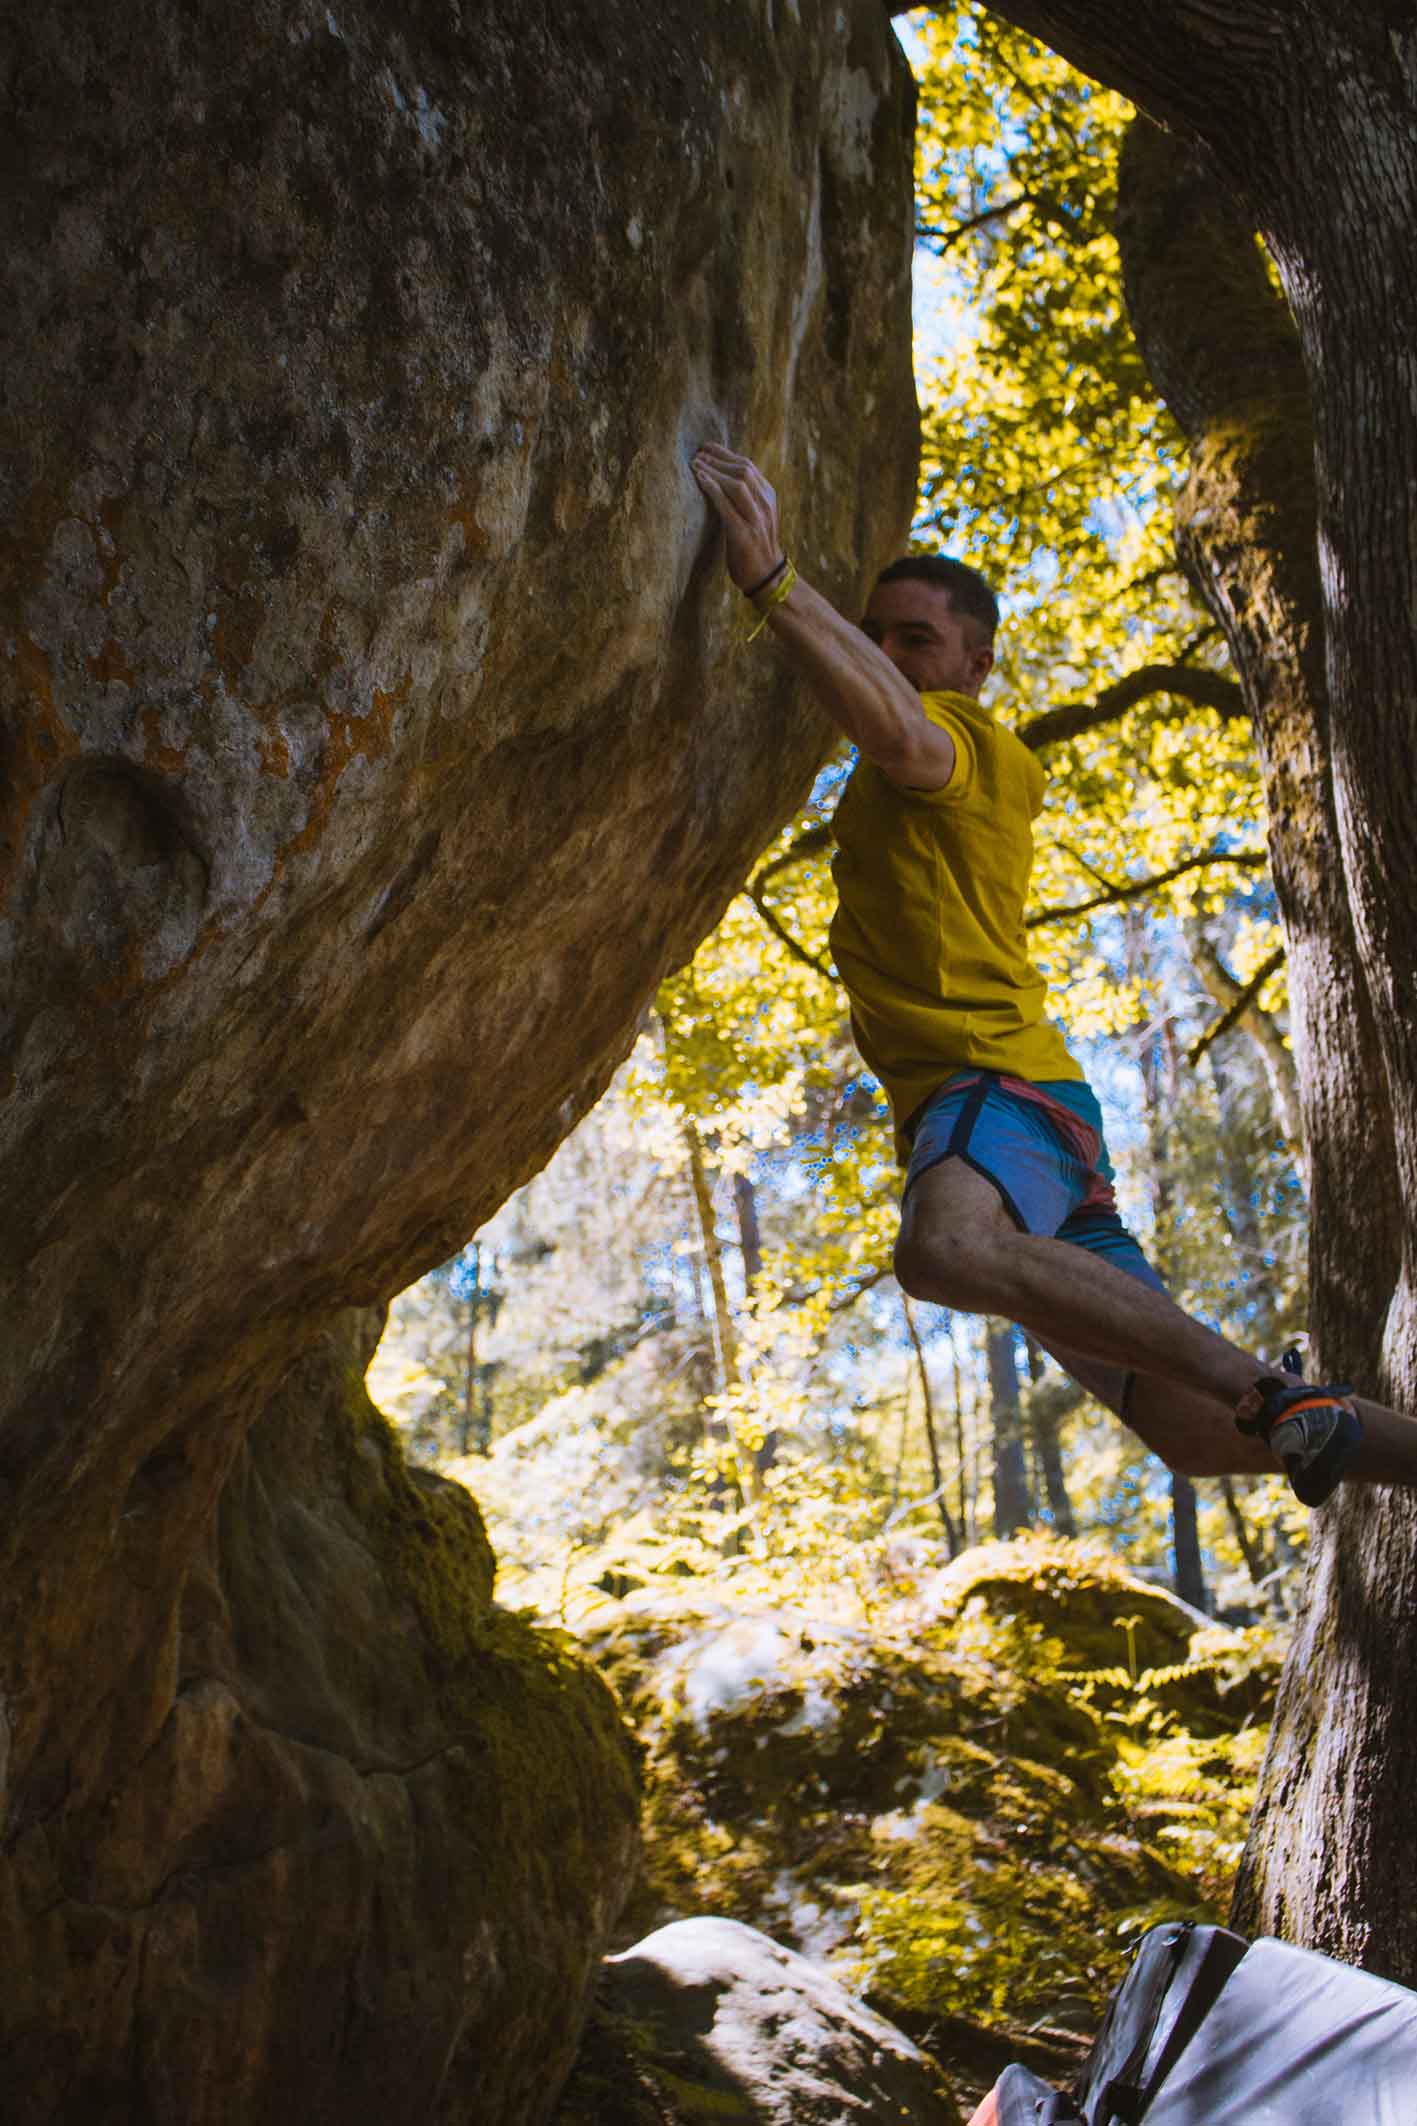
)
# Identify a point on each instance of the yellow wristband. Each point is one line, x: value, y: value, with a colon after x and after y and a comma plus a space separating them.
x: 780, y: 592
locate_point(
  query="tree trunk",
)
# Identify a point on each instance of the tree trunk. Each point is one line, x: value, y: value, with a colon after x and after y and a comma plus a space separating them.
x: 726, y: 1335
x: 1187, y: 1571
x: 967, y: 1527
x: 469, y: 1382
x: 931, y: 1436
x: 1235, y: 1180
x: 1012, y: 1509
x: 1311, y: 113
x: 468, y: 1416
x: 1276, y: 1057
x: 1250, y: 1549
x: 745, y: 1475
x: 1043, y: 1418
x: 745, y: 1204
x: 1223, y: 352
x: 1048, y: 1404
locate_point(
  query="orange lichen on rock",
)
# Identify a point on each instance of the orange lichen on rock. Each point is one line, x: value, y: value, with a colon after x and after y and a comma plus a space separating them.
x: 167, y: 760
x: 111, y: 665
x: 366, y: 737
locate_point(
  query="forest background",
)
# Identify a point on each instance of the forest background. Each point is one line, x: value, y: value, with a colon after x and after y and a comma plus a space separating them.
x: 696, y: 1290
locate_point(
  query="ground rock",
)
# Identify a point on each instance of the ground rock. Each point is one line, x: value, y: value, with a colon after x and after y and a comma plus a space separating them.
x: 1120, y: 1636
x: 725, y: 2023
x: 374, y: 735
x: 941, y: 1800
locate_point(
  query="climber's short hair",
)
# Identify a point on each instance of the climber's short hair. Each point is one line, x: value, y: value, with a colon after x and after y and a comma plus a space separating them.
x: 969, y: 595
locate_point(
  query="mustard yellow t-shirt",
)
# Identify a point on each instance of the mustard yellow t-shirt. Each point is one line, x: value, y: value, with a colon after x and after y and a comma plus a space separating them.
x: 928, y: 936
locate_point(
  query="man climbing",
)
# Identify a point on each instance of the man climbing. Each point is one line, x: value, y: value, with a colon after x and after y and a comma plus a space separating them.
x: 1008, y: 1206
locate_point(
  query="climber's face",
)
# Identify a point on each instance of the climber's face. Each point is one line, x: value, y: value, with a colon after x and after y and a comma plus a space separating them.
x: 937, y: 649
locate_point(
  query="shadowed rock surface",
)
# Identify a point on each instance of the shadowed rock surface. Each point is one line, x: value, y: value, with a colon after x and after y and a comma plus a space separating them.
x: 374, y: 736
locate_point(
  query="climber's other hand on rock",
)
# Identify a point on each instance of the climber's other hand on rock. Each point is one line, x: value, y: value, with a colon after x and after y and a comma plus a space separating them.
x: 746, y: 507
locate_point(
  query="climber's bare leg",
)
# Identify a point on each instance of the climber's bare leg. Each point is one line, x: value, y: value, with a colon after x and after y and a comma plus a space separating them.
x: 959, y: 1247
x: 1197, y: 1437
x: 1192, y: 1434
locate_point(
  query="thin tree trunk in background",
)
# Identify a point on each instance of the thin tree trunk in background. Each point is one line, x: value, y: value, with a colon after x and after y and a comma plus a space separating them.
x: 928, y: 1400
x: 745, y: 1206
x: 1188, y: 1576
x: 967, y: 1530
x: 1044, y: 1423
x: 1046, y: 1411
x: 1157, y: 1059
x: 1267, y: 1040
x: 1011, y: 1511
x: 713, y: 1257
x: 702, y: 1364
x: 469, y: 1382
x: 716, y: 1424
x: 1244, y: 1535
x: 745, y: 1203
x: 1240, y: 1213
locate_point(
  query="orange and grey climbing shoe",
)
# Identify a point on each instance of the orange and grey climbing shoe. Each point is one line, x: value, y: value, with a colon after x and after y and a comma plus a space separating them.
x: 1315, y: 1432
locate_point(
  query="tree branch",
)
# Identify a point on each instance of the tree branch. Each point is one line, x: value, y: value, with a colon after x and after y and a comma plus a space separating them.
x: 1085, y: 863
x: 867, y: 1282
x: 1241, y: 1005
x: 1193, y: 683
x: 1136, y: 889
x: 807, y: 844
x: 781, y: 932
x: 947, y: 238
x: 864, y: 1284
x: 1190, y: 63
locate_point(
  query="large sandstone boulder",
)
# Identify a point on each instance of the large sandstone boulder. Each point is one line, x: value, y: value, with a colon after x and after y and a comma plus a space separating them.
x: 375, y: 733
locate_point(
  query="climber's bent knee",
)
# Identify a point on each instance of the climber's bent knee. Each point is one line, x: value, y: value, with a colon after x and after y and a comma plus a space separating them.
x: 953, y: 1229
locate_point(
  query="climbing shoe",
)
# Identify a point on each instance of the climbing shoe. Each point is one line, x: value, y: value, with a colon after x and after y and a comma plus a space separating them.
x: 1315, y: 1432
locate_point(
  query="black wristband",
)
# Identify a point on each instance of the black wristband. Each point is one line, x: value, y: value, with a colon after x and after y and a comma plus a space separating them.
x: 771, y: 577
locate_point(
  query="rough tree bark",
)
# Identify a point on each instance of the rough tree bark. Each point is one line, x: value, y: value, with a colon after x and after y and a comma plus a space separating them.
x: 1223, y: 353
x: 1308, y: 110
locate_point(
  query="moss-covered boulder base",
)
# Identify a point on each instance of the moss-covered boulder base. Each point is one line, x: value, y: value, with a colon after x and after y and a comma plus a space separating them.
x: 375, y: 730
x: 363, y: 1769
x: 967, y: 1804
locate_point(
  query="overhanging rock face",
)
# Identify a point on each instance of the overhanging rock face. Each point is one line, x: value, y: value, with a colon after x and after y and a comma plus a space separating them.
x: 375, y: 734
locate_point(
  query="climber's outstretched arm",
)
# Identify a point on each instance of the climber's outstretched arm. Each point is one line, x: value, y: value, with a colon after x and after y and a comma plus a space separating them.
x: 854, y: 681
